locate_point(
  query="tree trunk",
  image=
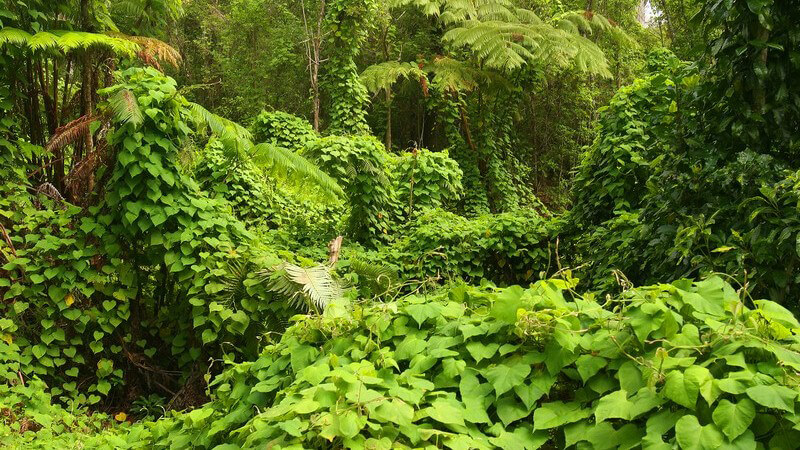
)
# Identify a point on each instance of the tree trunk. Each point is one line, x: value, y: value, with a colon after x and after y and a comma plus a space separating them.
x: 313, y: 54
x: 86, y: 82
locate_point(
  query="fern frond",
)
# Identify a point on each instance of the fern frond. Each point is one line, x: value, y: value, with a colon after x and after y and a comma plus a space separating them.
x: 9, y: 35
x: 125, y: 107
x: 228, y: 131
x: 80, y: 40
x: 70, y: 133
x: 589, y: 22
x: 382, y: 76
x: 234, y: 280
x: 65, y: 41
x: 282, y: 160
x: 455, y: 76
x: 508, y: 46
x: 43, y: 41
x: 428, y: 7
x: 312, y: 287
x: 151, y: 47
x: 238, y: 145
x: 381, y: 279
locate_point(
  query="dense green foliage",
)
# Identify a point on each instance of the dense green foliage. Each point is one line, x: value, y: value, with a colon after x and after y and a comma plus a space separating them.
x: 283, y: 129
x: 360, y: 163
x: 514, y: 368
x: 508, y: 248
x: 426, y: 179
x: 399, y: 270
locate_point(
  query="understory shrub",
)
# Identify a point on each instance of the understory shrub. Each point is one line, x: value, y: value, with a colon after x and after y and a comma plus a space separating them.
x: 505, y: 248
x: 243, y: 185
x: 688, y: 364
x: 30, y: 419
x: 657, y: 198
x: 361, y: 165
x: 426, y: 179
x: 283, y: 129
x: 93, y: 292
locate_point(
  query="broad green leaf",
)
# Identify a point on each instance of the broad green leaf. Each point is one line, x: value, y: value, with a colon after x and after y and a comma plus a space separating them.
x: 589, y: 365
x: 448, y: 411
x: 507, y: 303
x: 208, y: 335
x: 540, y: 384
x: 692, y: 436
x: 773, y: 396
x: 702, y: 378
x: 630, y: 377
x: 506, y: 376
x: 522, y: 438
x: 613, y: 406
x: 681, y: 390
x: 510, y: 410
x: 395, y: 411
x: 480, y: 351
x: 421, y: 313
x: 555, y: 414
x: 734, y: 418
x: 349, y: 423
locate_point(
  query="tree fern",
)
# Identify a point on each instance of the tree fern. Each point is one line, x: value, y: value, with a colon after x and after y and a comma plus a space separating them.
x: 507, y: 46
x: 382, y: 76
x: 505, y: 37
x: 152, y: 48
x: 68, y: 41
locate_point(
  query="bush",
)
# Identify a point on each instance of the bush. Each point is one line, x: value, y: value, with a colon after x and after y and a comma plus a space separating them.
x: 685, y: 364
x: 283, y: 129
x: 361, y: 165
x: 243, y: 186
x: 29, y: 419
x: 425, y: 179
x: 505, y: 248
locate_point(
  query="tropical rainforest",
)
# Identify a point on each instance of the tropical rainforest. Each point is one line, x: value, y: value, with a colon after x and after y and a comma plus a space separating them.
x: 379, y: 224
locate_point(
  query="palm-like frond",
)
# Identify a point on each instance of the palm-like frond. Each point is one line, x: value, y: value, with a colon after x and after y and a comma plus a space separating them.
x: 125, y: 107
x: 588, y: 23
x: 147, y: 49
x: 505, y: 37
x: 238, y: 145
x: 311, y: 288
x: 282, y: 160
x: 382, y: 76
x: 456, y: 76
x: 234, y: 280
x: 507, y: 46
x: 228, y: 131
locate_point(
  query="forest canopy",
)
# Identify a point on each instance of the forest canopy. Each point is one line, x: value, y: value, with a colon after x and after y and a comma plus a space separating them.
x: 463, y: 224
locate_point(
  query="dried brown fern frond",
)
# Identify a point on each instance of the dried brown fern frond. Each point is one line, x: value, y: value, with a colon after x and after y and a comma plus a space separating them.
x: 152, y: 51
x: 70, y: 133
x: 149, y: 59
x: 80, y: 181
x: 48, y: 190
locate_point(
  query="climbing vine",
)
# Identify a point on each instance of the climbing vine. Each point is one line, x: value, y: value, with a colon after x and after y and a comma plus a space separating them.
x: 348, y: 22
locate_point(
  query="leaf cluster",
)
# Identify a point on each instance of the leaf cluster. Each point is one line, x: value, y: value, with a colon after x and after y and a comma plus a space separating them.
x: 685, y: 364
